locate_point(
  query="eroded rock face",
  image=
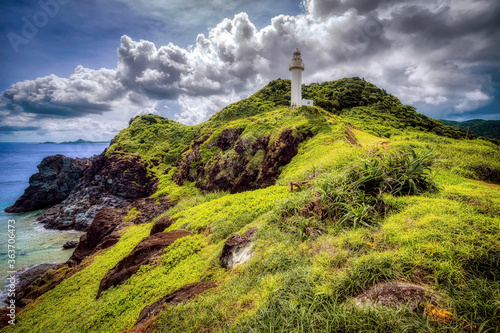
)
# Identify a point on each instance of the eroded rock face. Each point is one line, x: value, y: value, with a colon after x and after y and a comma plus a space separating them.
x: 112, y: 182
x: 397, y: 294
x: 104, y: 231
x: 236, y: 249
x: 161, y: 225
x: 103, y: 225
x: 280, y: 153
x: 57, y: 176
x: 227, y: 138
x: 232, y: 171
x: 187, y: 292
x: 149, y: 208
x: 147, y: 251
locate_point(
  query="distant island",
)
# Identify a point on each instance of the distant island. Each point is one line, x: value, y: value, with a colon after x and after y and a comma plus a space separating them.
x: 73, y: 142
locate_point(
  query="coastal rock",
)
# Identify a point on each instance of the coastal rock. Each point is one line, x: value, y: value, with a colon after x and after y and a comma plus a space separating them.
x: 111, y: 181
x: 70, y: 244
x: 57, y: 176
x: 147, y: 251
x: 103, y: 225
x: 148, y: 208
x: 187, y: 292
x: 236, y: 249
x: 104, y: 231
x: 27, y: 276
x: 35, y: 281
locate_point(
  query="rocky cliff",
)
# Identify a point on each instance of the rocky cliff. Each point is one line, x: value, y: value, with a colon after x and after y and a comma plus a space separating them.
x: 57, y: 176
x: 112, y: 181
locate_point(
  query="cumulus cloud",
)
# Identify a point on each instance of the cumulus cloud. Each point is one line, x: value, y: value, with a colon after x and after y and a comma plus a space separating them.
x: 440, y: 56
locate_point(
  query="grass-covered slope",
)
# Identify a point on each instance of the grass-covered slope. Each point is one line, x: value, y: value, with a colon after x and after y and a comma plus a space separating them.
x: 407, y: 208
x: 156, y: 140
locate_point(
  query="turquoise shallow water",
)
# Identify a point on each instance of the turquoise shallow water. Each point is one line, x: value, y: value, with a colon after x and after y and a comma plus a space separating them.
x: 34, y: 244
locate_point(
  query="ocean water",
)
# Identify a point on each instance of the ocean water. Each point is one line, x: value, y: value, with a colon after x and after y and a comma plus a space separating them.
x: 33, y: 243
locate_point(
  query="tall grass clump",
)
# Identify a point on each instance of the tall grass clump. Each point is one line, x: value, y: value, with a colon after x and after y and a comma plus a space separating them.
x: 354, y: 197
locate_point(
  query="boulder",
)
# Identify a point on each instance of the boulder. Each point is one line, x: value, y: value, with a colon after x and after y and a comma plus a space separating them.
x: 397, y: 293
x: 70, y: 244
x: 236, y: 249
x: 147, y: 251
x: 57, y: 176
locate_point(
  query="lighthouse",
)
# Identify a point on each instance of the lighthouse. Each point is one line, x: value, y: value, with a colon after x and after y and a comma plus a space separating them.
x: 296, y: 67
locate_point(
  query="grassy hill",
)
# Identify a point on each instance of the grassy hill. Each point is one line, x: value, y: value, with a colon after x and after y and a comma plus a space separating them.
x: 387, y: 195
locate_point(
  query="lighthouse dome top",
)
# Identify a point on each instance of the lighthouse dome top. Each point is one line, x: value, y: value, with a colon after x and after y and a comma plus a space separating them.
x: 296, y: 61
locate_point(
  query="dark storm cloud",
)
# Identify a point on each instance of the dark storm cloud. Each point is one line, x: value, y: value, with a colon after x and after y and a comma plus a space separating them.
x: 12, y: 129
x: 441, y: 56
x: 446, y: 23
x: 328, y: 8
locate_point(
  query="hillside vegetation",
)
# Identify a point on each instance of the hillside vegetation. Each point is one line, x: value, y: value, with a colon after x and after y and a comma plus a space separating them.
x: 384, y: 194
x: 480, y: 127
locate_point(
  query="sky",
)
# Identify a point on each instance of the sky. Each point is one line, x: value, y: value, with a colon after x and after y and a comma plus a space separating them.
x: 81, y: 69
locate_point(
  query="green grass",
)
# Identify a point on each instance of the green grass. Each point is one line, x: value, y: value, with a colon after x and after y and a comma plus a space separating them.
x: 229, y: 213
x: 300, y: 280
x: 299, y: 286
x: 167, y: 187
x: 158, y: 141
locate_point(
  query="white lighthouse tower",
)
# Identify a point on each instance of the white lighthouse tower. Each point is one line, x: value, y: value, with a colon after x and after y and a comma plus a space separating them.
x: 296, y: 67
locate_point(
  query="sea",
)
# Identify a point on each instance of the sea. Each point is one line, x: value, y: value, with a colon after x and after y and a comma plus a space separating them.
x: 33, y: 243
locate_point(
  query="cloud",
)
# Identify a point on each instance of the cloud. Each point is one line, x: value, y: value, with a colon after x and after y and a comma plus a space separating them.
x: 86, y: 91
x: 473, y: 100
x: 441, y: 56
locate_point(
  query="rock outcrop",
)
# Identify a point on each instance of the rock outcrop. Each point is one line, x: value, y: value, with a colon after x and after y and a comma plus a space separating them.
x: 57, y: 176
x: 37, y: 280
x: 161, y: 225
x: 147, y: 251
x: 103, y: 225
x: 113, y: 182
x: 70, y: 244
x: 397, y: 293
x: 234, y: 170
x: 104, y: 231
x: 236, y: 249
x: 25, y: 278
x: 187, y: 292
